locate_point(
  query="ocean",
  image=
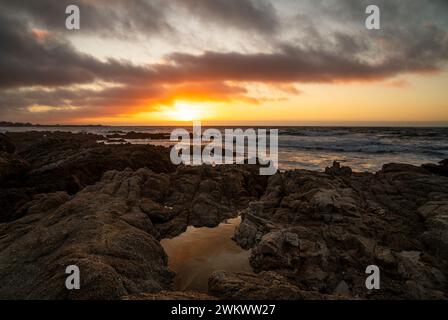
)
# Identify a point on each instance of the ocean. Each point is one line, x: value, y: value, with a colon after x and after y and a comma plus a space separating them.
x: 314, y: 148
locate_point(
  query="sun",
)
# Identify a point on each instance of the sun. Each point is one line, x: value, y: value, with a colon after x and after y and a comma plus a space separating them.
x: 184, y: 111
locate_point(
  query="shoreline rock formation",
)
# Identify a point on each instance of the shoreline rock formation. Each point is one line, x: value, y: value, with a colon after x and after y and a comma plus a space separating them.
x: 69, y: 200
x: 321, y: 231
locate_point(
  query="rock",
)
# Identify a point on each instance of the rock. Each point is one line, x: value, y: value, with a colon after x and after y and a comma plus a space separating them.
x: 342, y: 222
x: 132, y: 135
x: 250, y: 286
x: 171, y: 295
x: 342, y: 289
x: 111, y: 231
x: 207, y: 196
x: 274, y: 252
x: 435, y: 214
x: 12, y: 168
x: 48, y: 162
x: 384, y: 256
x: 249, y: 233
x: 337, y: 170
x: 291, y: 239
x: 6, y: 145
x: 101, y: 230
x: 311, y: 234
x: 440, y: 169
x: 428, y: 281
x: 399, y: 167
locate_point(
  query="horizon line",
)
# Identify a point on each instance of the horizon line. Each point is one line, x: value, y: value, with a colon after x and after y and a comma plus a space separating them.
x: 422, y: 124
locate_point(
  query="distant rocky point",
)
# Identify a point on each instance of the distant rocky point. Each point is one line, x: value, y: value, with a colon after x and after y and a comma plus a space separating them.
x: 27, y: 124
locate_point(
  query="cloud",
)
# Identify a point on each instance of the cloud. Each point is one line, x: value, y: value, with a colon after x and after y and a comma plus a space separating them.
x: 114, y: 100
x: 30, y: 60
x: 426, y: 53
x: 255, y: 15
x: 108, y: 18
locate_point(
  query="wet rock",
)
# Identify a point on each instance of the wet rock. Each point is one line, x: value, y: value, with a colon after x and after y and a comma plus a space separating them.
x: 206, y: 196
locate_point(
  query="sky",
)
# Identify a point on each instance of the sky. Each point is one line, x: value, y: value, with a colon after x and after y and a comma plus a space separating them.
x: 164, y: 62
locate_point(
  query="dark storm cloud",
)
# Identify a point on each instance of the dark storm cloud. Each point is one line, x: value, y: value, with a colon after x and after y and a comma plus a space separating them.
x: 255, y: 15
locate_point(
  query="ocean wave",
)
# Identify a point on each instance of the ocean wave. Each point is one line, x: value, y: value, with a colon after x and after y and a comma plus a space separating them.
x: 363, y: 146
x: 430, y: 133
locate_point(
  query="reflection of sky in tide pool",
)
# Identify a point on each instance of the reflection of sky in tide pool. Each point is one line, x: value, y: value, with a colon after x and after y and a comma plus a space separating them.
x: 196, y: 253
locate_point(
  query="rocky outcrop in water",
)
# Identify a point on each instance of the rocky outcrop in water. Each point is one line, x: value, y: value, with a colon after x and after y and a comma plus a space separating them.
x: 321, y: 231
x: 132, y: 135
x: 441, y: 168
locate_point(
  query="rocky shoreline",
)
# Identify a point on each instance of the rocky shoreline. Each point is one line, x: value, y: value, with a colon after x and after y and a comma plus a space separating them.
x: 67, y: 199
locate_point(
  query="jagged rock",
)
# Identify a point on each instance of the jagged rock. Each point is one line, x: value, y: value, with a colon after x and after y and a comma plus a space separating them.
x: 110, y: 230
x: 344, y: 222
x: 206, y: 196
x: 428, y: 281
x: 435, y: 214
x: 312, y: 234
x: 101, y: 230
x: 385, y: 256
x: 60, y: 161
